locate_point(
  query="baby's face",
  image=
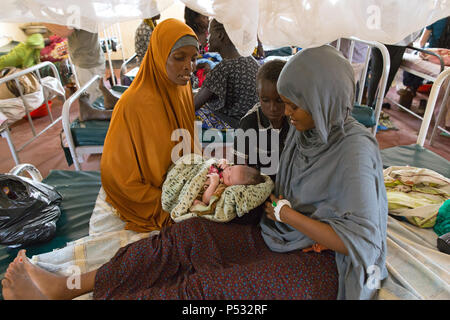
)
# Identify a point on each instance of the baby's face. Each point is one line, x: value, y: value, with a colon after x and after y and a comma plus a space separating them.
x: 233, y: 175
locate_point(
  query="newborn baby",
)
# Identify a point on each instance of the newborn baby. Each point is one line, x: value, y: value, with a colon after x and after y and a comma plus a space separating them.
x: 223, y: 175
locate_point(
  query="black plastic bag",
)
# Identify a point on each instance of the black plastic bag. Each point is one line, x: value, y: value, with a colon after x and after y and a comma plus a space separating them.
x: 28, y: 211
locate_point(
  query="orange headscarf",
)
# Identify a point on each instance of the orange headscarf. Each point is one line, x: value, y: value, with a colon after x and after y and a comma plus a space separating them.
x: 138, y: 146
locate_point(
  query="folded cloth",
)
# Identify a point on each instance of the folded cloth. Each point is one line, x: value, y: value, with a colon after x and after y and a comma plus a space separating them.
x: 416, y: 193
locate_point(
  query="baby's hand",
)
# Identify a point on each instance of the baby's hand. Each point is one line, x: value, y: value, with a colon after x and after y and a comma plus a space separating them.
x: 222, y: 164
x: 214, y: 178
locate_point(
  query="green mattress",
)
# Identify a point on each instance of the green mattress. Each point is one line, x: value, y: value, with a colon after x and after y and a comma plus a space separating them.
x: 79, y: 190
x: 93, y: 132
x: 415, y: 156
x: 89, y: 133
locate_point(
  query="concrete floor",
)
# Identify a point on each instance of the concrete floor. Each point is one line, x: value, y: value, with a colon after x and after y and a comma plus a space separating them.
x: 46, y: 152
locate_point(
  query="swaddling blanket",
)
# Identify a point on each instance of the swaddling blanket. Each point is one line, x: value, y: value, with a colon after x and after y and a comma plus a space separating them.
x: 185, y: 180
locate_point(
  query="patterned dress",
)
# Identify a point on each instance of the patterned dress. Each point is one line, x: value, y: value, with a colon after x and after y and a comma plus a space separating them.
x: 142, y: 39
x: 233, y: 81
x: 201, y: 259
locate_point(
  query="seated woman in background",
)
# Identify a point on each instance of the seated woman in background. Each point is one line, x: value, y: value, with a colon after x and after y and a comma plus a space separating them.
x: 25, y: 54
x: 264, y: 119
x: 229, y: 90
x: 330, y: 171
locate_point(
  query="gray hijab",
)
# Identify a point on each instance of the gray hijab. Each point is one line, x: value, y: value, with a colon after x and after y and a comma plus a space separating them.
x: 332, y: 173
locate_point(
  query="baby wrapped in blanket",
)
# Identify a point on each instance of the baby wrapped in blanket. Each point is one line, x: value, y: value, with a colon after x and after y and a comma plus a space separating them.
x: 212, y: 189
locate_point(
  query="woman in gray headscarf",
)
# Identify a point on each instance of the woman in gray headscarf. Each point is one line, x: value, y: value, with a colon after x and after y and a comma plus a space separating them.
x: 330, y: 175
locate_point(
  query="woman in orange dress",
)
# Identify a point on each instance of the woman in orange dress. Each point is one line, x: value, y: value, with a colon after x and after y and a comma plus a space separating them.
x: 138, y: 146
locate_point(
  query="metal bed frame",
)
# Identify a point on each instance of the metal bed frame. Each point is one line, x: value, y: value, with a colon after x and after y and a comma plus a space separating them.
x: 431, y: 104
x: 5, y: 130
x: 109, y: 33
x: 362, y: 80
x: 77, y: 152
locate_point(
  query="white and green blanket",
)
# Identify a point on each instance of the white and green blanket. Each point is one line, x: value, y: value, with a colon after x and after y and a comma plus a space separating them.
x: 185, y: 180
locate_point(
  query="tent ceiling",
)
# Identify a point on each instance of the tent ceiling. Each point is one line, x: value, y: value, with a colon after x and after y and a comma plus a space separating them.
x: 304, y: 23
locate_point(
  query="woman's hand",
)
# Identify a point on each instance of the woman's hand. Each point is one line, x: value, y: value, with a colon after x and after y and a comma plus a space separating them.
x: 269, y: 208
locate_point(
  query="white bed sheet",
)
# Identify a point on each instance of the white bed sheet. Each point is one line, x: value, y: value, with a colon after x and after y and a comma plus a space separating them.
x: 417, y: 269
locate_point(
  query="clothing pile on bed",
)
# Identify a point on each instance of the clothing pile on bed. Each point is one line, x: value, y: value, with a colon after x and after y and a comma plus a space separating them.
x: 418, y: 269
x: 417, y: 194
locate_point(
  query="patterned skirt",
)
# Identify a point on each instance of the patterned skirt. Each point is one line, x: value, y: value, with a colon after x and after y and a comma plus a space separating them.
x: 201, y: 259
x: 210, y: 120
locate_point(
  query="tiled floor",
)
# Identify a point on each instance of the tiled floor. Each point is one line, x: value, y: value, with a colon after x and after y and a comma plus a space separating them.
x: 46, y: 153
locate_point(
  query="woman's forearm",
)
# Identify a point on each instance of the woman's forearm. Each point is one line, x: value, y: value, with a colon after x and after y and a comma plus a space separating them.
x: 425, y: 36
x: 203, y: 96
x: 318, y: 231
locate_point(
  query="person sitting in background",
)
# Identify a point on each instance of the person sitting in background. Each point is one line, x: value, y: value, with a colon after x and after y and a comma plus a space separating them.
x: 229, y: 90
x: 396, y: 52
x: 436, y: 35
x: 199, y: 24
x: 266, y: 116
x: 206, y: 60
x: 25, y: 54
x: 142, y: 36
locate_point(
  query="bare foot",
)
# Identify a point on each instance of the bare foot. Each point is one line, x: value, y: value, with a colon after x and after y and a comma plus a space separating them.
x: 87, y: 112
x: 109, y: 100
x: 53, y: 286
x: 18, y: 285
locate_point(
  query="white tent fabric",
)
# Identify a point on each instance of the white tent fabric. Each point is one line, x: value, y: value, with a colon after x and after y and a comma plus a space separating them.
x: 303, y: 23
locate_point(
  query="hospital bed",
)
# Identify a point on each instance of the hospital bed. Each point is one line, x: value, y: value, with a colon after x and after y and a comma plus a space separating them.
x: 415, y: 65
x: 85, y: 137
x: 365, y: 114
x: 413, y: 155
x: 36, y: 71
x: 112, y: 37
